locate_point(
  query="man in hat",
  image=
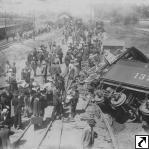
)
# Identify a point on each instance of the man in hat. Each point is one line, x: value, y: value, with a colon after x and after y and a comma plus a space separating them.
x: 74, y: 101
x: 60, y: 83
x: 17, y: 102
x: 43, y: 100
x: 86, y: 52
x: 79, y: 59
x: 36, y: 105
x: 14, y: 69
x: 29, y: 58
x: 5, y: 103
x: 74, y: 69
x: 60, y: 54
x: 71, y: 70
x: 44, y: 71
x: 9, y: 74
x: 57, y: 103
x: 56, y: 69
x: 49, y: 93
x: 34, y: 65
x: 89, y: 134
x: 27, y: 103
x: 27, y: 73
x: 35, y: 53
x: 67, y: 59
x: 7, y: 67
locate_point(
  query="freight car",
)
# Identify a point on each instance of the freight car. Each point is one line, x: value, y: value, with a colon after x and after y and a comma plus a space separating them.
x: 11, y: 30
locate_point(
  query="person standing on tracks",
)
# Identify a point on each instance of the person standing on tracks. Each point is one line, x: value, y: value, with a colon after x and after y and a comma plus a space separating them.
x: 5, y: 102
x: 36, y: 105
x: 44, y: 71
x: 57, y: 103
x: 89, y: 134
x: 14, y: 69
x: 35, y: 53
x: 74, y: 102
x: 34, y: 65
x: 26, y: 73
x: 27, y: 94
x: 43, y: 101
x: 30, y: 58
x: 60, y: 83
x: 56, y: 69
x: 60, y: 54
x: 67, y: 59
x: 79, y: 59
x: 7, y: 66
x: 34, y: 61
x: 17, y: 103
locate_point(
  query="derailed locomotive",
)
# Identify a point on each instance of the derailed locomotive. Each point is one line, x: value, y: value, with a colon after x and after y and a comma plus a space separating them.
x: 123, y: 88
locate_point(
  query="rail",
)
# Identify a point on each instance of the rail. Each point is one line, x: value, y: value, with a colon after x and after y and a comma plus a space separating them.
x: 108, y: 126
x: 45, y: 134
x: 21, y: 136
x: 5, y: 44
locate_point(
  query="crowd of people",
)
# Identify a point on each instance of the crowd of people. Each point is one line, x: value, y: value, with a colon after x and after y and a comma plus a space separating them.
x: 30, y: 97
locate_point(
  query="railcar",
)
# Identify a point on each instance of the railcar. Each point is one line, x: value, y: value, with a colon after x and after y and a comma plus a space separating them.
x: 124, y: 86
x: 11, y: 30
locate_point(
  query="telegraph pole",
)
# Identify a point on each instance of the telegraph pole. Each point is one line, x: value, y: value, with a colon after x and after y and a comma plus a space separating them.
x: 34, y: 21
x: 5, y: 25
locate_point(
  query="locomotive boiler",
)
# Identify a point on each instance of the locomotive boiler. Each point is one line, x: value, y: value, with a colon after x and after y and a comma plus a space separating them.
x: 123, y: 89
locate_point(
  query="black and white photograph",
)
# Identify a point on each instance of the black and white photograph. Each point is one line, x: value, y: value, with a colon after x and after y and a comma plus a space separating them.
x: 74, y: 74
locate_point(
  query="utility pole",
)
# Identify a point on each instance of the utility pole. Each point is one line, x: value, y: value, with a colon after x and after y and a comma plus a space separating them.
x: 5, y: 25
x: 90, y: 12
x: 34, y: 21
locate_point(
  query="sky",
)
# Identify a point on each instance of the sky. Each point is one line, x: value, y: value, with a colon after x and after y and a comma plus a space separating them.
x: 76, y: 7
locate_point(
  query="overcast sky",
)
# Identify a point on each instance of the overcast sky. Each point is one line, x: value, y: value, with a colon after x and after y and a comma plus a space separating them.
x: 78, y: 7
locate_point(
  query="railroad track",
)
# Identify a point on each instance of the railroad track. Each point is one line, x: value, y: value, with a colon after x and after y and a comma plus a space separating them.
x: 31, y: 138
x: 52, y: 139
x: 41, y: 139
x: 106, y: 134
x: 63, y: 135
x: 4, y: 44
x: 53, y: 136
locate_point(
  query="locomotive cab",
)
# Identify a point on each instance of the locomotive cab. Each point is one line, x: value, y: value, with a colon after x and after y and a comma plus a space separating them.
x: 129, y: 80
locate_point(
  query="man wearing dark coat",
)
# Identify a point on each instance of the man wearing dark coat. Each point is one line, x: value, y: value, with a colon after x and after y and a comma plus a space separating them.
x: 45, y: 71
x: 57, y: 103
x: 17, y: 102
x: 74, y: 102
x: 60, y: 54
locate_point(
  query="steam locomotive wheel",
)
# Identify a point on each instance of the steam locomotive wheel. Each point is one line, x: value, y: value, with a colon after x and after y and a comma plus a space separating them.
x: 132, y: 115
